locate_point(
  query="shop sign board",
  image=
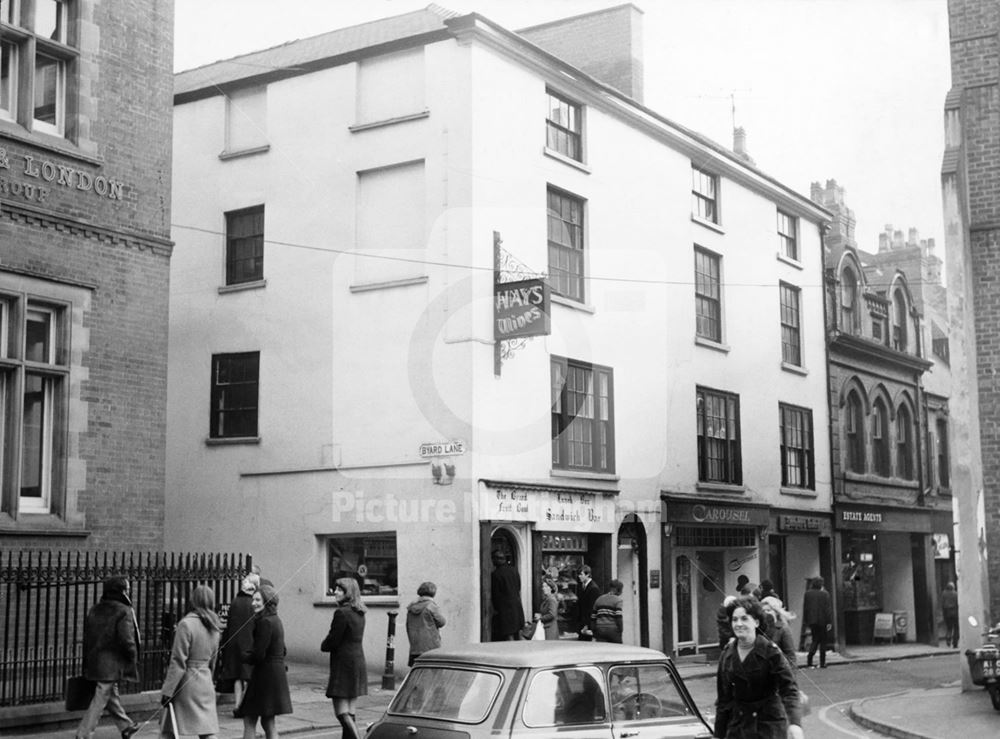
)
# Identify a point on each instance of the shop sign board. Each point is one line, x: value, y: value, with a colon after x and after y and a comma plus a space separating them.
x: 881, y: 519
x: 521, y: 309
x: 806, y: 524
x: 550, y: 510
x: 884, y: 628
x: 707, y: 513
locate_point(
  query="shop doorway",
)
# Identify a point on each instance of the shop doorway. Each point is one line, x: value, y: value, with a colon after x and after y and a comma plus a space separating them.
x: 506, y: 541
x: 711, y: 591
x: 632, y: 569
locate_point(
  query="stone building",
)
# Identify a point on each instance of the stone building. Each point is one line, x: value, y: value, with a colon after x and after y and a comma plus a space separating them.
x: 350, y: 396
x: 889, y: 435
x: 85, y: 118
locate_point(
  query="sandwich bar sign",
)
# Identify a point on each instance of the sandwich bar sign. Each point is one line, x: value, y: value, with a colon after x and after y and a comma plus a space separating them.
x: 521, y: 309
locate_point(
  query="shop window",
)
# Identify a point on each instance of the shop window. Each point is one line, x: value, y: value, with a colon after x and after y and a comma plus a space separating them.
x: 564, y: 127
x: 582, y: 416
x: 34, y: 402
x: 860, y: 587
x: 565, y: 237
x: 563, y: 556
x: 235, y: 387
x: 719, y: 455
x: 683, y: 600
x: 245, y: 245
x: 565, y: 696
x: 368, y: 558
x: 797, y: 462
x: 38, y: 59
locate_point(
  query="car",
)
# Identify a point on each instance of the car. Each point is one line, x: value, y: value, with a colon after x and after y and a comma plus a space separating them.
x: 564, y: 689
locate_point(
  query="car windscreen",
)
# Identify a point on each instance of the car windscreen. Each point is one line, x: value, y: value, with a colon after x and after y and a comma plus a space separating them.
x: 455, y: 694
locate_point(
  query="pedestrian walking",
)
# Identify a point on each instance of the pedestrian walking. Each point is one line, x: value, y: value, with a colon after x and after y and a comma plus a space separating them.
x: 189, y: 687
x: 548, y: 609
x: 266, y: 694
x: 505, y: 589
x: 778, y: 627
x: 423, y: 622
x: 607, y: 615
x: 949, y: 609
x: 817, y: 614
x: 110, y: 656
x: 348, y: 671
x: 757, y: 696
x: 238, y: 637
x: 588, y: 595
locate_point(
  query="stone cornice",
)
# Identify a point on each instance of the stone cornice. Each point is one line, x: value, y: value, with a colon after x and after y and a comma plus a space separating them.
x: 46, y: 219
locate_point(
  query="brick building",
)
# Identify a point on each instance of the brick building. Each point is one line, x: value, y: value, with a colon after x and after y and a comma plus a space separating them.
x: 970, y: 179
x: 85, y: 120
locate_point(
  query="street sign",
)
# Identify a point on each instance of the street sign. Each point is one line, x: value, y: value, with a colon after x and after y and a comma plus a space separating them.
x: 442, y: 449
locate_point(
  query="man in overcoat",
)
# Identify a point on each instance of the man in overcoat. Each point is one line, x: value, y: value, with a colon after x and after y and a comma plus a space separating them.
x: 110, y: 655
x: 817, y: 614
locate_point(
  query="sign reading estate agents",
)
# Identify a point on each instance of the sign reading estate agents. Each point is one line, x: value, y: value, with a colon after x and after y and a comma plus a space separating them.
x: 521, y: 309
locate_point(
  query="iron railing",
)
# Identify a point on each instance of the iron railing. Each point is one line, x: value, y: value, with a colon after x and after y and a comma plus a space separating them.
x: 45, y: 596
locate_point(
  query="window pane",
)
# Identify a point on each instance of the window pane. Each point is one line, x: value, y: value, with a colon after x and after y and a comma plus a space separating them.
x: 35, y: 429
x: 50, y: 19
x: 48, y: 90
x: 447, y: 693
x: 38, y: 336
x: 7, y: 11
x: 245, y: 246
x: 572, y: 696
x: 234, y: 395
x: 8, y: 58
x: 565, y: 237
x: 642, y: 692
x: 370, y: 559
x: 563, y: 130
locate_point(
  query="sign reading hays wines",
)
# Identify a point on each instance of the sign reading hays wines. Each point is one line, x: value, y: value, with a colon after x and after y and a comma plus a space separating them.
x: 521, y: 309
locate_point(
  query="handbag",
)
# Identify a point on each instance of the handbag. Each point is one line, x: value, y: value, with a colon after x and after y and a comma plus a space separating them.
x: 79, y: 693
x: 539, y: 634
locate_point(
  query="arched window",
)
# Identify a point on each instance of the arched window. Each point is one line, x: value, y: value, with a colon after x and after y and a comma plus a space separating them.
x: 854, y: 433
x: 944, y: 477
x: 904, y: 444
x: 899, y: 317
x: 848, y: 301
x: 880, y: 439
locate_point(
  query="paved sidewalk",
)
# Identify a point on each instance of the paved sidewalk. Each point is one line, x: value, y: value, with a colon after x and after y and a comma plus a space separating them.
x: 942, y: 713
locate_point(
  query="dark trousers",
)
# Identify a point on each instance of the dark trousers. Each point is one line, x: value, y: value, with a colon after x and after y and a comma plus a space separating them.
x: 951, y: 630
x: 818, y: 642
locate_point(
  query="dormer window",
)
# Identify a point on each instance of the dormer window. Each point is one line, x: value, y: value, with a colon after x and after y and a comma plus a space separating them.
x: 848, y: 301
x: 899, y: 317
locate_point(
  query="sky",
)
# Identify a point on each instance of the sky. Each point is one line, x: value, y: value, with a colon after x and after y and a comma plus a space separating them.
x: 849, y: 90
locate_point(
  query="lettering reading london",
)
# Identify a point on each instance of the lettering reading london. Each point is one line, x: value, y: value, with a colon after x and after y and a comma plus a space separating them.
x: 45, y: 171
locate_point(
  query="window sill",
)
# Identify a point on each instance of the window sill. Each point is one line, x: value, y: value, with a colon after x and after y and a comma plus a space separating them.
x: 357, y: 127
x: 233, y: 441
x: 789, y: 261
x: 569, y: 161
x: 574, y: 304
x: 365, y: 287
x: 709, y: 344
x: 47, y: 141
x: 708, y: 224
x: 228, y: 154
x: 42, y: 525
x: 799, y: 492
x: 794, y: 368
x: 585, y: 475
x: 868, y: 477
x: 242, y: 286
x: 720, y: 487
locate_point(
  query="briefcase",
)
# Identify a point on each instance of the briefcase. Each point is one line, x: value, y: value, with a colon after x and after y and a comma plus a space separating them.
x: 79, y: 693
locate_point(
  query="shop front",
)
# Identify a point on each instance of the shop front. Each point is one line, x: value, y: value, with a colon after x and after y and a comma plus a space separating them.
x: 886, y: 574
x: 799, y: 548
x: 546, y: 531
x: 707, y: 547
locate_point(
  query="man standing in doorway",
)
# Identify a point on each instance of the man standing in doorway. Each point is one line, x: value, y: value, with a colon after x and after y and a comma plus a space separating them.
x: 508, y: 613
x: 817, y: 614
x: 589, y: 593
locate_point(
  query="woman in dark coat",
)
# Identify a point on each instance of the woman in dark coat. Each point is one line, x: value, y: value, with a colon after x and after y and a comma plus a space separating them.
x: 238, y: 637
x: 348, y: 671
x: 267, y: 694
x: 757, y: 694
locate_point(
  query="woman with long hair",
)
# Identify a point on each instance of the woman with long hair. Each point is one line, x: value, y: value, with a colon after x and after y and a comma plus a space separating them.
x: 266, y: 695
x: 348, y: 672
x: 189, y: 687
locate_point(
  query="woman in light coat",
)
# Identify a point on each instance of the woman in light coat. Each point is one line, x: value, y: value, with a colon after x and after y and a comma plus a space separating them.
x: 189, y: 687
x: 548, y: 610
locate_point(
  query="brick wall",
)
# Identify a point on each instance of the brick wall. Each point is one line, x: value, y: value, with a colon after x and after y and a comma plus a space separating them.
x: 119, y: 250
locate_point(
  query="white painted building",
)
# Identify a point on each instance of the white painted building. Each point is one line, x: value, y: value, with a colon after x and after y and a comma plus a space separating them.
x: 335, y: 403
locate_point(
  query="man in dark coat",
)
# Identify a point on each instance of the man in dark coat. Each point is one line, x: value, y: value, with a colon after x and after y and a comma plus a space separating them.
x: 817, y: 614
x: 508, y: 613
x: 949, y: 609
x: 589, y: 593
x: 110, y: 655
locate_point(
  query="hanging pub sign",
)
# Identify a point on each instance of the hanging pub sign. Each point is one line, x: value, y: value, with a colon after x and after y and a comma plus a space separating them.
x: 521, y: 309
